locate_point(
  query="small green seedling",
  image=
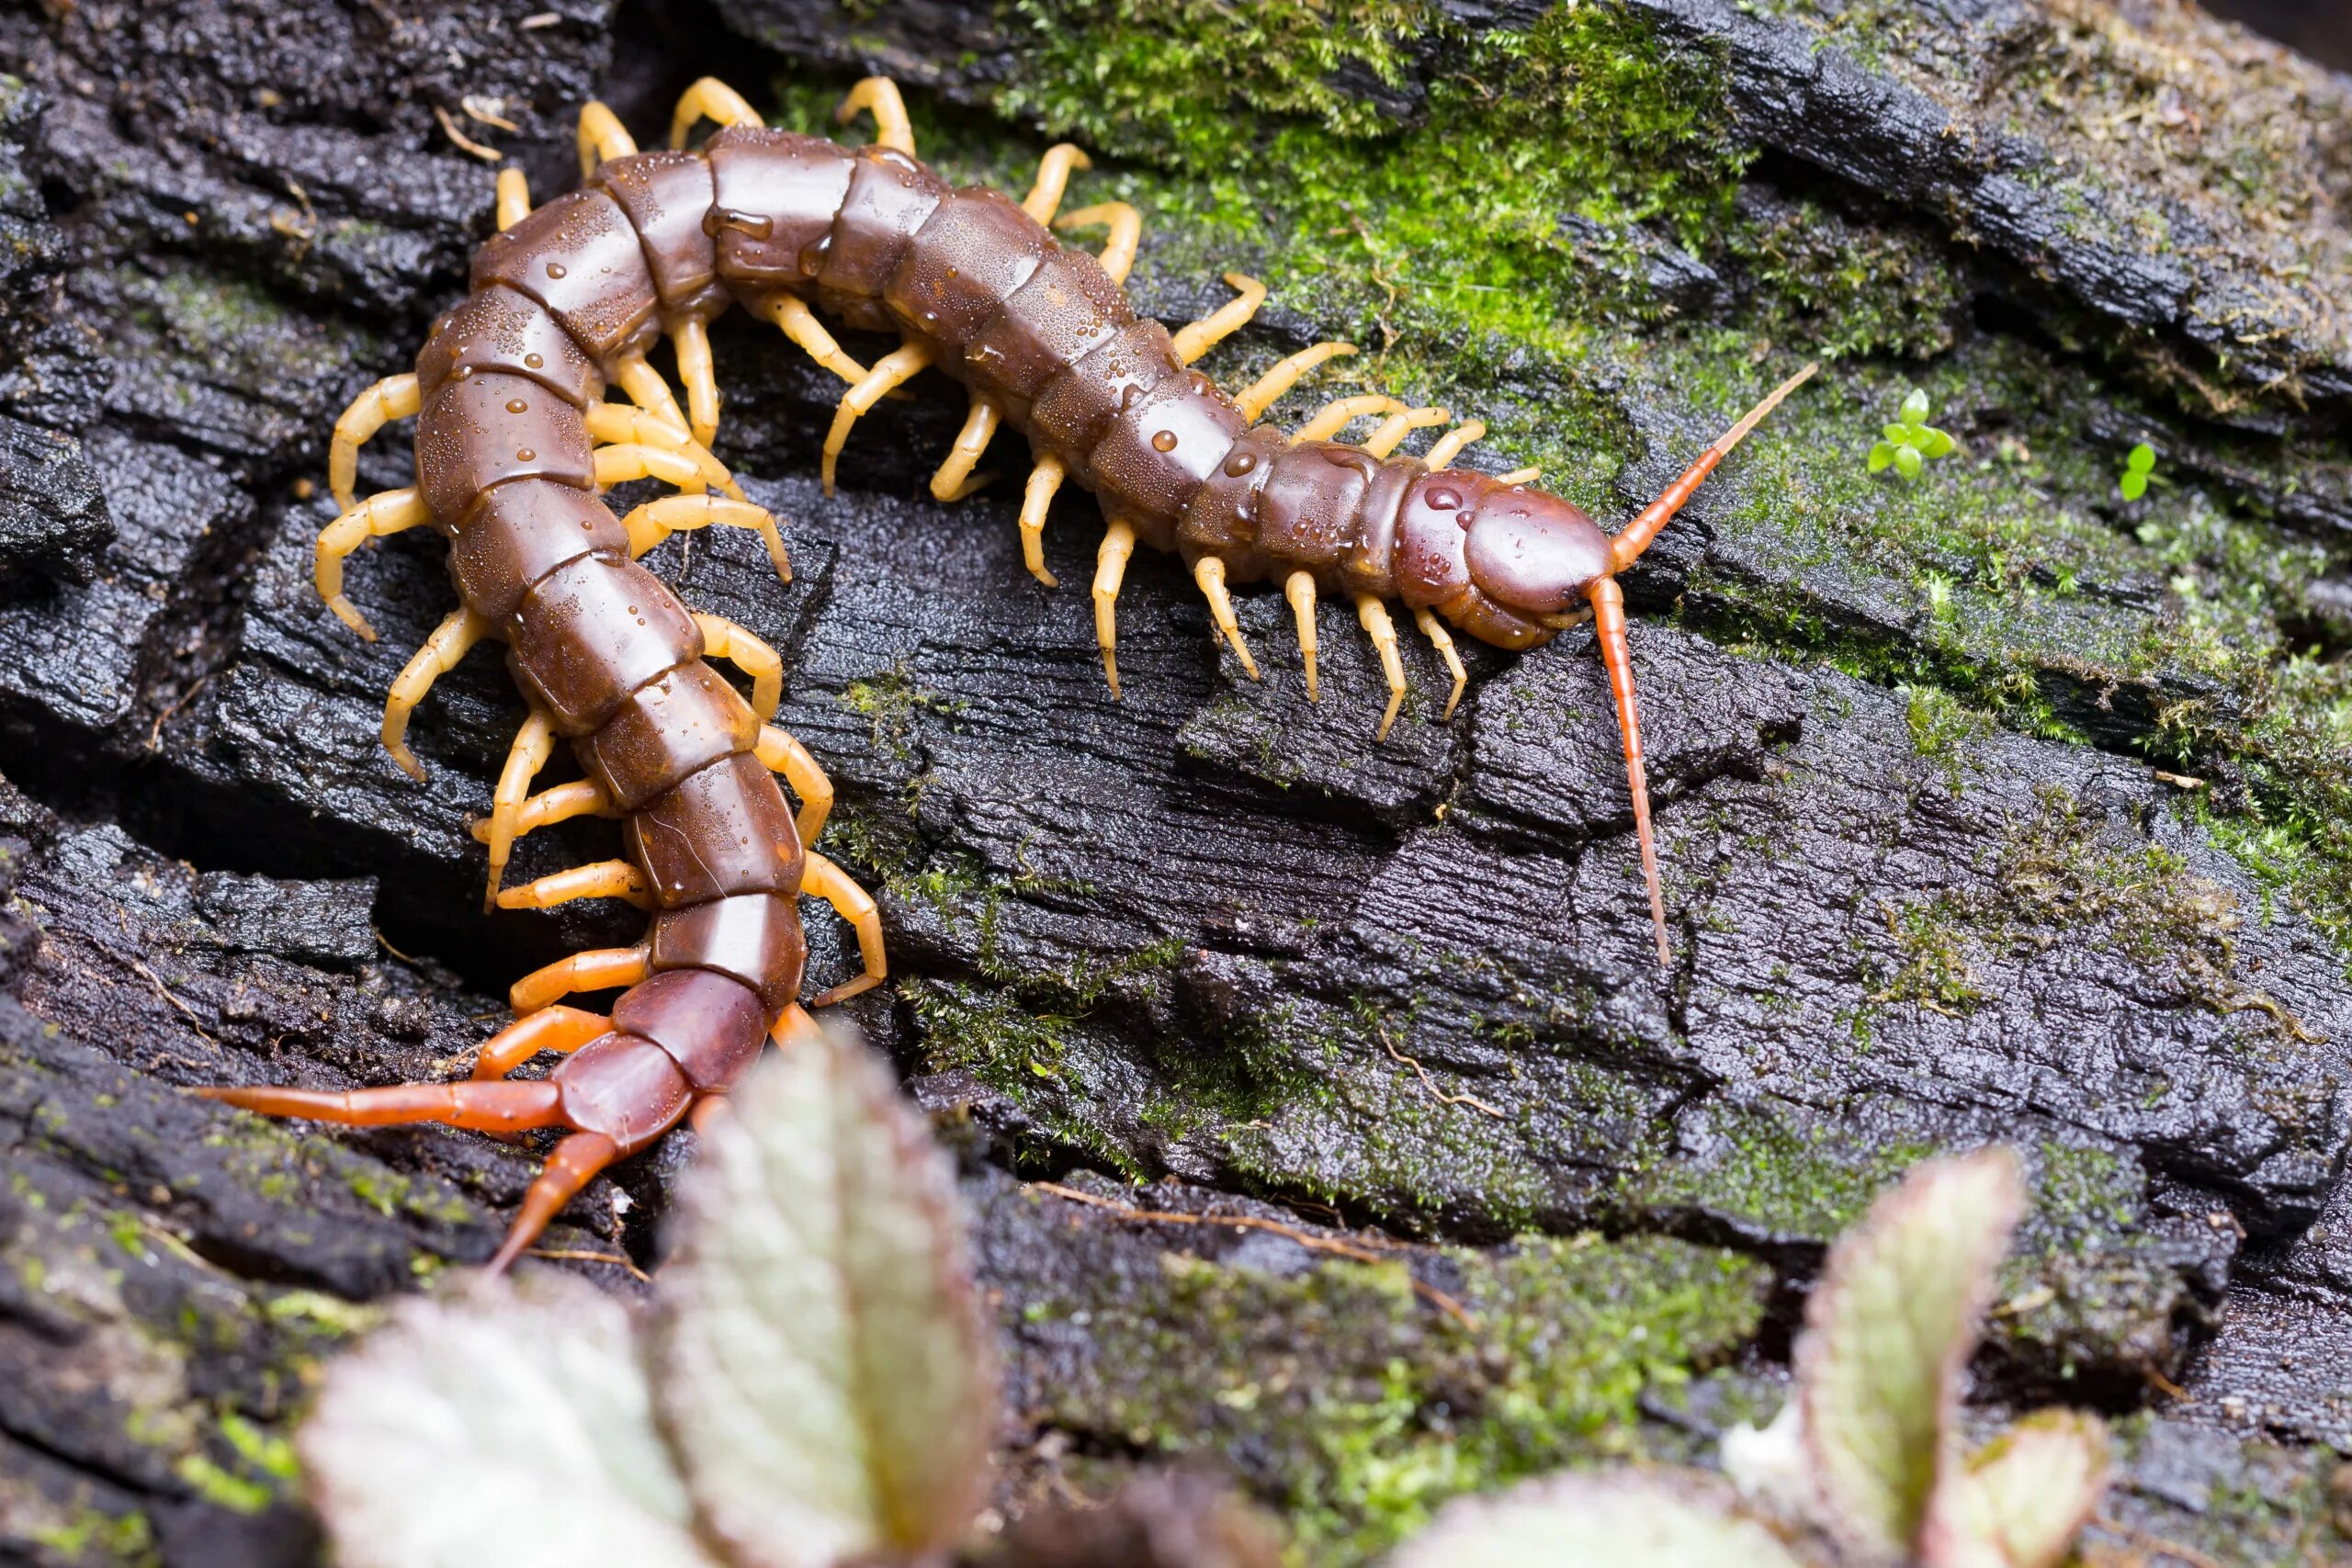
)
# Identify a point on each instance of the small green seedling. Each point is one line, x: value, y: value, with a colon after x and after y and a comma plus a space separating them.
x: 1906, y: 447
x: 2137, y: 468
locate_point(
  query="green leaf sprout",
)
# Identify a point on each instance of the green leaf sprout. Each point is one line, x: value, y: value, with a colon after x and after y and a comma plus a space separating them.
x: 2137, y: 469
x: 1906, y: 445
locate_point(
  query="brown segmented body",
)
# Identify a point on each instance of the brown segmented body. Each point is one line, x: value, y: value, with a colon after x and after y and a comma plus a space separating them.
x: 508, y: 391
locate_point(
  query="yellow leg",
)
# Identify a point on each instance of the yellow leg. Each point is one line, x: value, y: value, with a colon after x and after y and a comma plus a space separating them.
x: 1449, y: 446
x: 617, y: 465
x: 1443, y: 640
x: 1333, y: 417
x: 1520, y: 476
x: 655, y: 520
x: 1043, y: 480
x: 618, y: 425
x: 801, y: 325
x: 709, y: 98
x: 1383, y: 632
x: 1044, y: 197
x: 1393, y: 428
x: 1299, y: 589
x: 891, y: 127
x: 1227, y: 318
x: 1127, y: 233
x: 955, y: 481
x: 450, y: 641
x: 692, y: 342
x: 643, y: 385
x: 1259, y: 395
x: 722, y: 638
x: 826, y: 881
x: 534, y: 743
x: 605, y: 879
x: 1110, y: 570
x: 513, y: 198
x: 581, y: 797
x: 395, y: 396
x: 890, y: 370
x: 388, y: 512
x: 551, y: 1029
x: 780, y: 753
x: 598, y: 969
x: 602, y: 138
x: 1209, y: 572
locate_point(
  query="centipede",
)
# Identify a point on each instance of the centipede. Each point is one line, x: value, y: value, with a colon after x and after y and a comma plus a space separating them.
x: 516, y: 443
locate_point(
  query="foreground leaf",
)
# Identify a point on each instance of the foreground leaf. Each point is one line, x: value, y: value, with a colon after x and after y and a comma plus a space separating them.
x: 508, y: 1426
x: 2023, y: 1498
x: 1888, y: 1332
x: 820, y: 1367
x: 1626, y: 1518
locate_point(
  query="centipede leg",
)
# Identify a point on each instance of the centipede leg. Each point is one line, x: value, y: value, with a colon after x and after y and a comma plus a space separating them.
x: 1126, y: 224
x: 852, y: 903
x: 596, y: 969
x: 513, y: 198
x: 450, y: 641
x: 800, y: 325
x: 709, y: 98
x: 1450, y: 446
x: 572, y: 1164
x: 1043, y: 480
x: 581, y: 797
x: 602, y: 879
x: 395, y: 396
x: 1223, y: 322
x: 780, y: 751
x: 643, y: 385
x: 1443, y: 640
x: 1333, y: 417
x: 620, y: 463
x: 1393, y: 428
x: 1374, y: 615
x: 692, y: 343
x: 954, y: 480
x: 385, y: 513
x: 617, y: 424
x: 1526, y: 475
x: 655, y: 520
x: 1259, y: 396
x: 890, y: 370
x: 602, y: 137
x: 1044, y: 197
x: 722, y: 638
x: 478, y: 1107
x: 534, y: 744
x: 891, y: 127
x: 1209, y: 573
x: 1110, y: 570
x: 1299, y: 589
x: 560, y: 1028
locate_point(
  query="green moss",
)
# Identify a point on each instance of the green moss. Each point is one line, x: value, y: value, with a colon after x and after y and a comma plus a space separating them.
x: 1361, y: 1406
x: 1778, y: 1176
x: 90, y: 1536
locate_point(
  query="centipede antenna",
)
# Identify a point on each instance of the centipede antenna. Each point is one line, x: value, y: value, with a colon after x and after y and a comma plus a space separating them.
x: 1635, y: 536
x: 1608, y: 621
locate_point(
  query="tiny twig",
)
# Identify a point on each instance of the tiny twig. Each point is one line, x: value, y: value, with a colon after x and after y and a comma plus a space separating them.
x: 487, y: 154
x: 568, y: 1255
x: 1431, y: 1084
x: 2155, y: 1543
x: 1313, y: 1243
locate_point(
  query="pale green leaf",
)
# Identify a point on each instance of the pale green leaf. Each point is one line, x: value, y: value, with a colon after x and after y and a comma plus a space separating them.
x: 2133, y: 484
x: 820, y: 1365
x: 1906, y: 461
x: 1933, y: 442
x: 1623, y: 1518
x: 1915, y: 408
x: 508, y: 1426
x: 2023, y: 1498
x: 1896, y: 435
x: 1881, y: 456
x: 1888, y: 1332
x: 2142, y: 459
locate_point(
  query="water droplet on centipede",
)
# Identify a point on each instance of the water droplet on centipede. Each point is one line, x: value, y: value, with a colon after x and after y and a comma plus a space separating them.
x: 1165, y: 441
x: 555, y: 269
x: 813, y: 254
x: 524, y: 455
x: 1240, y: 464
x: 1444, y: 500
x: 516, y: 405
x: 462, y: 372
x: 1129, y: 395
x: 535, y: 361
